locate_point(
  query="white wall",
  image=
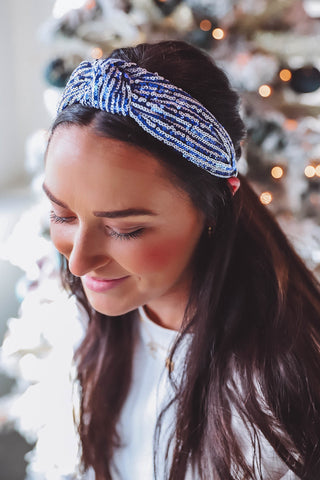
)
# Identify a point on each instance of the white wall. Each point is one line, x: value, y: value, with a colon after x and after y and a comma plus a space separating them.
x: 22, y: 60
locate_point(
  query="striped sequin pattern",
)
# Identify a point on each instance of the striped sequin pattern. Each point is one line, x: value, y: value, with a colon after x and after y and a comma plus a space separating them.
x: 165, y: 111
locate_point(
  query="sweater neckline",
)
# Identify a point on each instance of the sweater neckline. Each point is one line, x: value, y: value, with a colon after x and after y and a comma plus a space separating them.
x: 152, y: 333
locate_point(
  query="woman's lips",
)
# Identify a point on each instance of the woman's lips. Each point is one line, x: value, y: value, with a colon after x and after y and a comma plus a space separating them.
x: 101, y: 285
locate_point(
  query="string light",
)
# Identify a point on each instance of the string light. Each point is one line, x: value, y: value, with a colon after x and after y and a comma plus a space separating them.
x: 277, y: 172
x: 218, y: 33
x: 96, y: 52
x: 265, y: 198
x: 243, y: 59
x: 265, y: 91
x: 310, y: 171
x: 205, y: 25
x: 90, y: 4
x: 314, y: 199
x: 290, y: 124
x: 285, y: 75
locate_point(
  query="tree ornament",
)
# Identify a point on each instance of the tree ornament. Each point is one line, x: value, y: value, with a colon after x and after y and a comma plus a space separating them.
x: 267, y: 134
x: 310, y: 199
x: 167, y: 6
x: 59, y: 70
x: 266, y: 139
x: 209, y: 8
x: 125, y: 5
x: 305, y: 79
x: 200, y: 38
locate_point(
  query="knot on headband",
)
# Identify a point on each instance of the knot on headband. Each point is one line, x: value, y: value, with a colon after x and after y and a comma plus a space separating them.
x: 102, y: 85
x: 163, y: 110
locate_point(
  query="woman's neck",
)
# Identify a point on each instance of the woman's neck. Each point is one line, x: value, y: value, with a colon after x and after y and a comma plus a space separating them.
x: 167, y: 314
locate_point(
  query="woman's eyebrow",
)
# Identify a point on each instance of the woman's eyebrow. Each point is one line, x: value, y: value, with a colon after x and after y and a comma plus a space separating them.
x: 52, y: 197
x: 128, y: 212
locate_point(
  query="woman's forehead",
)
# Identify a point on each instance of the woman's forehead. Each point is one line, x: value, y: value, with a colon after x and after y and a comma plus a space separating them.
x: 78, y: 159
x: 76, y: 146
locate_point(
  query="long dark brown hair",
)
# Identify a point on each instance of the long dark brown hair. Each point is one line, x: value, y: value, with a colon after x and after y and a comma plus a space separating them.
x: 253, y: 310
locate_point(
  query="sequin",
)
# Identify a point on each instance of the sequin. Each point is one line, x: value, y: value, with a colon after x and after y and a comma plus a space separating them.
x: 165, y: 111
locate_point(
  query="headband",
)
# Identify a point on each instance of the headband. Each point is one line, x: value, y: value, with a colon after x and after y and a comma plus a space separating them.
x: 165, y: 111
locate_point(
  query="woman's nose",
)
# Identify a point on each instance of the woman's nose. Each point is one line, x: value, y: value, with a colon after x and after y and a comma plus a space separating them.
x: 88, y: 252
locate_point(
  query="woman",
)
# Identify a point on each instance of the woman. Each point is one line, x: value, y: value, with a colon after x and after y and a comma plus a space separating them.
x: 201, y: 356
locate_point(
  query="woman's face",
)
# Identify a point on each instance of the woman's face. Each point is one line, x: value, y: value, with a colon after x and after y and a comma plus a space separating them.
x: 126, y: 230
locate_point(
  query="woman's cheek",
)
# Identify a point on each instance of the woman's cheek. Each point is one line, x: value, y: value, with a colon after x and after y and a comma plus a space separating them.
x: 157, y: 257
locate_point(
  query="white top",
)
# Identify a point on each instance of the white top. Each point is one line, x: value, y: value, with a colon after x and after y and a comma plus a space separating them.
x: 60, y: 325
x: 150, y: 391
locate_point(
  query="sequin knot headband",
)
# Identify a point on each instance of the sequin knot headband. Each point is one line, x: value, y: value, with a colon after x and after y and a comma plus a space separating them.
x: 163, y: 110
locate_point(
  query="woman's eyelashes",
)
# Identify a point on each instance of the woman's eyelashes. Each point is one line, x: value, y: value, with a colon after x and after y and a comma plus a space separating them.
x: 56, y: 219
x: 112, y: 233
x: 125, y: 236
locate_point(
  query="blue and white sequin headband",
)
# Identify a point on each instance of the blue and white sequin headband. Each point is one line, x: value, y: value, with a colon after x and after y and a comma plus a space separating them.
x: 163, y: 110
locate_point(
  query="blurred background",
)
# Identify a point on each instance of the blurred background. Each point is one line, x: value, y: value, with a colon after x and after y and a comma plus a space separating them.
x: 270, y: 50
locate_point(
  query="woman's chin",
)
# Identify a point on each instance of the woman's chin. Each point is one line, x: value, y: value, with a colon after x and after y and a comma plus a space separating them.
x: 110, y: 308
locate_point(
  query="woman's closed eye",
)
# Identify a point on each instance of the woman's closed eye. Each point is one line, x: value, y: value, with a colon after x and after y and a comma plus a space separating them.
x: 57, y: 219
x: 111, y: 232
x: 125, y: 236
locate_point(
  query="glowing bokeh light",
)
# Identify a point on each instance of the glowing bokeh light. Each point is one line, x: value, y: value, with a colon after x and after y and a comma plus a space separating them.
x: 218, y: 34
x: 90, y: 4
x: 290, y: 124
x: 205, y: 25
x: 96, y: 52
x: 277, y: 172
x: 265, y: 91
x: 243, y: 58
x: 285, y: 75
x: 309, y: 171
x: 318, y: 170
x: 265, y: 198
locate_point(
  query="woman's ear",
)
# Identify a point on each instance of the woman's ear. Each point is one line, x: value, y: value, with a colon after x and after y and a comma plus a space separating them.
x: 234, y: 184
